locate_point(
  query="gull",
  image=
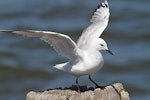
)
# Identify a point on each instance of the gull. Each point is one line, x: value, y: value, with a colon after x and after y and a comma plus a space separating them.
x: 85, y: 56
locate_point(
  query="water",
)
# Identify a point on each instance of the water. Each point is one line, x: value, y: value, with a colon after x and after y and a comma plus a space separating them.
x: 26, y: 63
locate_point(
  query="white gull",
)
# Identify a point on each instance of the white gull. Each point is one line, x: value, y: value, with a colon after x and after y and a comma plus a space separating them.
x: 84, y: 56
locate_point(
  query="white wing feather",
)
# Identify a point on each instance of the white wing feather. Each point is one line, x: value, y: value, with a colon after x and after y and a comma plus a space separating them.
x: 63, y: 44
x: 99, y: 23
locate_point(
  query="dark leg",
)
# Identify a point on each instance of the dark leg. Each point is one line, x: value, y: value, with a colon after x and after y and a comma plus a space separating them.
x: 95, y: 83
x: 77, y: 85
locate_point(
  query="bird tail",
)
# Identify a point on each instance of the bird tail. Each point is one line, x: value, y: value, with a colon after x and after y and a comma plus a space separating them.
x: 60, y: 66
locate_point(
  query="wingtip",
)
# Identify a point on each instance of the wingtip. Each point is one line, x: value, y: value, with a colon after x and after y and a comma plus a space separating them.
x: 106, y: 3
x: 103, y: 4
x: 5, y: 31
x: 102, y: 7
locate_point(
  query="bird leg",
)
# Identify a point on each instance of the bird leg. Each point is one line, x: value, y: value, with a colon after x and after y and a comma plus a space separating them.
x: 77, y: 85
x: 102, y: 87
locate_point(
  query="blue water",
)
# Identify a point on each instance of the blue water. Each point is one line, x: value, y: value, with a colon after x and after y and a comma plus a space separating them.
x: 26, y: 63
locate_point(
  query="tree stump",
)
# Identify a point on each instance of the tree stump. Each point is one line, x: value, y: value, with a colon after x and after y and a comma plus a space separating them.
x: 111, y: 92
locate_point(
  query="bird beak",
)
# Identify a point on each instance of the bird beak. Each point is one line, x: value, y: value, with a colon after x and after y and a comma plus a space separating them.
x: 109, y: 52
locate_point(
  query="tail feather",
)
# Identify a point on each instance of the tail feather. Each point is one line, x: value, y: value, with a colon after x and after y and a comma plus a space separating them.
x: 60, y: 66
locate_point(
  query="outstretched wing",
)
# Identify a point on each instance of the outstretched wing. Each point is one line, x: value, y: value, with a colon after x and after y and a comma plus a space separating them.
x: 99, y: 22
x: 63, y: 44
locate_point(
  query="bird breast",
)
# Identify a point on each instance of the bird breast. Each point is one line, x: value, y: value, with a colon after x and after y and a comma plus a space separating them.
x: 93, y: 60
x: 91, y: 63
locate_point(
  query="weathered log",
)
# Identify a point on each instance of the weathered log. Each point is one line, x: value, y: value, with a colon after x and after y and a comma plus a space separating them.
x: 111, y: 92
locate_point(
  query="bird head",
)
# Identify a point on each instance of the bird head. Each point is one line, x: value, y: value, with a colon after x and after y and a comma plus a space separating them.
x: 103, y: 46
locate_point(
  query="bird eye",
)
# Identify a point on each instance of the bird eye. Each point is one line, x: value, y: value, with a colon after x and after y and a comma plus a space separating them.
x: 102, y: 45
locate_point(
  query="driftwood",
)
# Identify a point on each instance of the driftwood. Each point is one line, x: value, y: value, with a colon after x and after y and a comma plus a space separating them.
x: 111, y: 92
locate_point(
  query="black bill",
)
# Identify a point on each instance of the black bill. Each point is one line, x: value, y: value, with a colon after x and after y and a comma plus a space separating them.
x: 109, y: 52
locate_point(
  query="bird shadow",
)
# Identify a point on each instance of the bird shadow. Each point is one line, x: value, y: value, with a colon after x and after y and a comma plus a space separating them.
x: 83, y: 88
